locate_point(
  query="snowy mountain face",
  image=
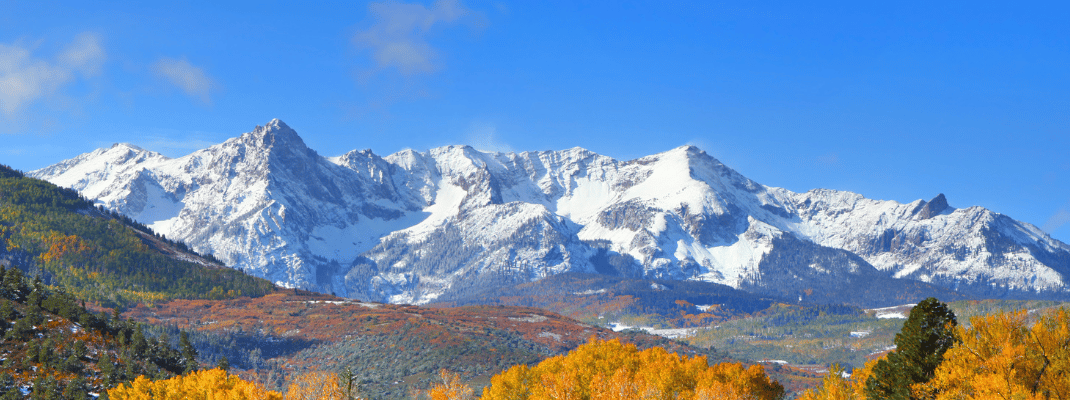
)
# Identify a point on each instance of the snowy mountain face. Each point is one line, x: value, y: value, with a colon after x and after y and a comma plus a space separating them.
x: 413, y: 227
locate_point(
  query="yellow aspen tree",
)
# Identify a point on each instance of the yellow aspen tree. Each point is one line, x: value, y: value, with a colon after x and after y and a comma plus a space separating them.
x: 612, y: 370
x: 1000, y: 356
x: 860, y: 375
x: 451, y: 388
x: 200, y: 385
x: 316, y: 385
x: 511, y: 384
x: 833, y: 387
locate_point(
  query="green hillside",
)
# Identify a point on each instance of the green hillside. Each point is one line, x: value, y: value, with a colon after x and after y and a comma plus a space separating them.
x: 52, y: 347
x: 102, y: 256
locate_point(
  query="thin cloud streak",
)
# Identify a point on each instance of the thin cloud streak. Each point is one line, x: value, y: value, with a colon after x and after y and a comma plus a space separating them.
x: 1058, y: 220
x: 25, y: 79
x: 484, y: 138
x: 398, y: 39
x: 85, y: 55
x: 187, y: 77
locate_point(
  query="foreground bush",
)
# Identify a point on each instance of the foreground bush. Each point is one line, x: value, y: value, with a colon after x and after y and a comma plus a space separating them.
x: 612, y: 370
x: 201, y: 385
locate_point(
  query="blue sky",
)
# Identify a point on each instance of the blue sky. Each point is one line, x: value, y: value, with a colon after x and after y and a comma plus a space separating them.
x: 896, y: 101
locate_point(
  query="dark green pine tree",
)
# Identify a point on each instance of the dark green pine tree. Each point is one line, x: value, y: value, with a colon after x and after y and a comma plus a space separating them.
x: 927, y: 334
x: 189, y: 354
x: 7, y: 310
x: 107, y: 370
x: 138, y: 344
x: 22, y: 330
x: 7, y: 313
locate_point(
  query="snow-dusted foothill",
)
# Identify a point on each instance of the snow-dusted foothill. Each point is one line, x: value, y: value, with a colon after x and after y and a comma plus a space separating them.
x: 413, y: 227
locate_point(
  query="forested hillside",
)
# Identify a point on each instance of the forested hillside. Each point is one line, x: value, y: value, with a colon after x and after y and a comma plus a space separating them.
x: 603, y: 299
x: 52, y: 347
x: 101, y: 256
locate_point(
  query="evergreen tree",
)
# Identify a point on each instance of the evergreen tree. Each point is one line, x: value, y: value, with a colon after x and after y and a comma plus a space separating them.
x: 189, y: 354
x: 14, y: 288
x: 7, y: 311
x: 7, y: 385
x: 138, y: 344
x: 79, y: 349
x: 23, y: 329
x: 223, y: 364
x: 927, y: 334
x: 107, y: 369
x: 75, y: 389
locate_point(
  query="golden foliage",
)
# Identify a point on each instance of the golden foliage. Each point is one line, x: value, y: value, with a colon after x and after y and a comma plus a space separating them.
x: 612, y: 370
x: 835, y: 386
x: 1001, y: 357
x: 451, y: 388
x: 213, y: 384
x: 315, y: 386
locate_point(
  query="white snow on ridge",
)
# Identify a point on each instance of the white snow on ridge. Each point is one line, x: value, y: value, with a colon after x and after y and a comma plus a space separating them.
x: 589, y: 292
x: 674, y: 333
x: 585, y: 201
x: 266, y: 203
x: 900, y: 312
x: 669, y: 185
x: 447, y: 203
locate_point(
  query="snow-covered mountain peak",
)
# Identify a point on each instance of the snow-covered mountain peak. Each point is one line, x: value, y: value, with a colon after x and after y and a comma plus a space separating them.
x: 462, y: 158
x: 128, y: 146
x: 928, y: 209
x: 120, y: 153
x: 417, y: 225
x: 92, y: 173
x: 275, y: 135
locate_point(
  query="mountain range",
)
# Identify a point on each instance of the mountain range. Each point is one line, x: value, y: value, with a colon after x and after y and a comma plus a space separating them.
x: 418, y: 227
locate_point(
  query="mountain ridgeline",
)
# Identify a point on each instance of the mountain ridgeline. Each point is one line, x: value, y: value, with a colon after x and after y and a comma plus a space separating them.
x: 453, y: 222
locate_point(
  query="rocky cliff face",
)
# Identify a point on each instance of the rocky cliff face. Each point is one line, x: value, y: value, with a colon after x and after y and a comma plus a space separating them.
x: 413, y: 226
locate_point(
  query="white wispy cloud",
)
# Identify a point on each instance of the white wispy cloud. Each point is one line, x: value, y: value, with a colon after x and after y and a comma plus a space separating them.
x: 190, y: 79
x: 1057, y: 220
x: 398, y: 39
x: 85, y: 55
x: 25, y: 79
x: 828, y: 159
x: 484, y: 137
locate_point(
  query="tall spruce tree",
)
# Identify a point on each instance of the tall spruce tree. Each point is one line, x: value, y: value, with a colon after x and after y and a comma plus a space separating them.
x: 927, y: 334
x: 189, y: 354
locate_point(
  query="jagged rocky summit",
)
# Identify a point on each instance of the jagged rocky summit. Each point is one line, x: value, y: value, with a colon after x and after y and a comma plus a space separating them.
x: 413, y: 227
